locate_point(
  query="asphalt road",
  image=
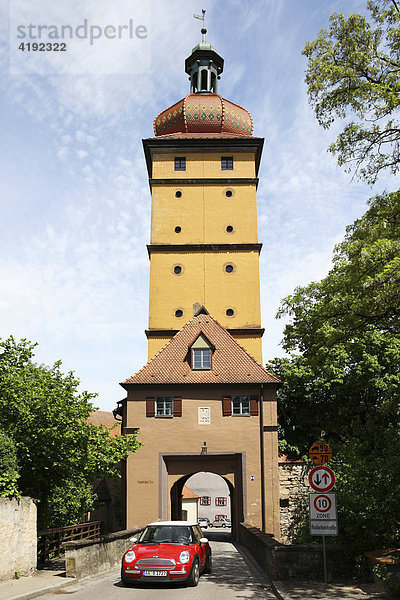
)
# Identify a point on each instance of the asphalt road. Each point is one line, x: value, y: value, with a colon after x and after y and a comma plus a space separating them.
x: 233, y: 578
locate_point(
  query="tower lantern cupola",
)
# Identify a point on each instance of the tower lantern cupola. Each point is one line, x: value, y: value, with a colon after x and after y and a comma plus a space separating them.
x: 204, y: 66
x: 203, y: 110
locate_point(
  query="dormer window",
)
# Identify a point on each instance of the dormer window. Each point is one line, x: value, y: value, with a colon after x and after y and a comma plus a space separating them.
x: 201, y: 358
x: 201, y: 351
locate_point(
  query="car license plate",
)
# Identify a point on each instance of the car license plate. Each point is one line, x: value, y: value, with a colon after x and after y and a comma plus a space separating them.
x: 155, y: 573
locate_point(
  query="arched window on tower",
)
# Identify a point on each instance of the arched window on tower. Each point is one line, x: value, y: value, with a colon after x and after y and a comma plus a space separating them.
x: 213, y: 81
x: 194, y: 81
x: 204, y: 74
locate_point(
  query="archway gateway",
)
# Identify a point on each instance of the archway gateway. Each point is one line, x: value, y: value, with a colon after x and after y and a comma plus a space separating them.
x: 178, y: 468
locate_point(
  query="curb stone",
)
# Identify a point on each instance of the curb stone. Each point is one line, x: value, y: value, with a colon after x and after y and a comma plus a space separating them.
x: 261, y: 577
x: 42, y: 591
x: 274, y: 585
x: 53, y: 587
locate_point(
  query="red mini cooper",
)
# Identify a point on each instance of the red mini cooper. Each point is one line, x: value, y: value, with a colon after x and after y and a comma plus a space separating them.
x: 167, y: 551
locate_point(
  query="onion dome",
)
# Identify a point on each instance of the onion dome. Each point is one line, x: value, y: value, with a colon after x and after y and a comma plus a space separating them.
x: 204, y: 113
x: 203, y: 110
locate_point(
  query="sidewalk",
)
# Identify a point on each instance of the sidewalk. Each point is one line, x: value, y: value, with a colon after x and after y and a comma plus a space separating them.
x: 39, y: 584
x: 312, y: 590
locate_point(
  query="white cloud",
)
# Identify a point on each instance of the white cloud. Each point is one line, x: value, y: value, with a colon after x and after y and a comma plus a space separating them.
x: 76, y: 206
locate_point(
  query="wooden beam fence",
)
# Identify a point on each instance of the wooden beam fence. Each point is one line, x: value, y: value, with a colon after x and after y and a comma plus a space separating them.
x: 50, y: 540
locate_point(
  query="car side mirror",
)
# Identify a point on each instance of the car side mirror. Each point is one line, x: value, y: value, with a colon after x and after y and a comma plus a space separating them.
x: 134, y: 540
x: 203, y: 540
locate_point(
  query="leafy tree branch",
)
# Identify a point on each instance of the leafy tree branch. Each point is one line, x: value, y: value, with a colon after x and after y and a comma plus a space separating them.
x: 353, y: 71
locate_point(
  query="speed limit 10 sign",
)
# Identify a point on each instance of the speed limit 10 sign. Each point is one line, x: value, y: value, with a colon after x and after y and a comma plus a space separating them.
x: 323, y: 515
x: 323, y: 506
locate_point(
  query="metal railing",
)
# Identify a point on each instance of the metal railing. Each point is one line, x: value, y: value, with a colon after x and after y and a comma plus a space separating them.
x: 50, y: 540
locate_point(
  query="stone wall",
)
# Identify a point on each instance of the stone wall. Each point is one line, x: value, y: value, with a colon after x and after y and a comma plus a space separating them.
x: 293, y: 496
x: 299, y: 561
x: 17, y: 537
x: 88, y: 557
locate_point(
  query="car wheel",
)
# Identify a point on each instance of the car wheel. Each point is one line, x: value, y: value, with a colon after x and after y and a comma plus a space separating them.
x: 223, y: 525
x: 210, y: 525
x: 208, y: 566
x: 194, y: 573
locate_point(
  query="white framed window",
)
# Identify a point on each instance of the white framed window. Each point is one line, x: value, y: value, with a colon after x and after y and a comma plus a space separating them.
x: 201, y: 358
x: 164, y: 406
x: 205, y: 500
x: 240, y: 405
x: 220, y: 501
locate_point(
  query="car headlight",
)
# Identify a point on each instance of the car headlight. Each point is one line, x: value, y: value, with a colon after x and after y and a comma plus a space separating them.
x: 129, y: 556
x: 184, y: 557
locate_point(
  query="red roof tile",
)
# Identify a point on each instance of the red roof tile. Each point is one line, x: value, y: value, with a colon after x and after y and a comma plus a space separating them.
x: 103, y: 417
x: 230, y: 362
x: 188, y: 493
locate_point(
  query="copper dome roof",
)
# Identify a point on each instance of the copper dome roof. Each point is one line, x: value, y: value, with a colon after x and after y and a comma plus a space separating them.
x: 204, y: 113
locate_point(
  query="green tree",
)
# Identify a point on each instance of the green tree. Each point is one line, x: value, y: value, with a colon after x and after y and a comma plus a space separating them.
x: 342, y: 379
x: 8, y: 467
x: 354, y: 70
x: 59, y: 452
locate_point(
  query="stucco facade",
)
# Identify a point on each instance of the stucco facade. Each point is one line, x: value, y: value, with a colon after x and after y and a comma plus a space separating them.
x: 204, y: 219
x: 230, y: 441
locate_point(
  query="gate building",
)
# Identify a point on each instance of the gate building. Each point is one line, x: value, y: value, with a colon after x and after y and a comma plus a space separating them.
x: 203, y: 402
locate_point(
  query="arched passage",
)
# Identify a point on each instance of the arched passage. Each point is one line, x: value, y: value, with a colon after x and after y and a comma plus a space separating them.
x: 177, y: 469
x: 215, y: 495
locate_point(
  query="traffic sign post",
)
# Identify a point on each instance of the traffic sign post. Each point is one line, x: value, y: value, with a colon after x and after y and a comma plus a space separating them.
x: 323, y: 515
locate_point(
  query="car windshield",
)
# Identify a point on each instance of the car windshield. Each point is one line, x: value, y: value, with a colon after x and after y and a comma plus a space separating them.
x: 166, y: 534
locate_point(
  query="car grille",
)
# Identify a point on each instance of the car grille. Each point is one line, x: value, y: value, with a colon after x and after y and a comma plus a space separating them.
x: 151, y: 562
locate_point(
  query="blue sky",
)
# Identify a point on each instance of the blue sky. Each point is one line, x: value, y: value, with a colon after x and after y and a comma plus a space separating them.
x: 75, y: 202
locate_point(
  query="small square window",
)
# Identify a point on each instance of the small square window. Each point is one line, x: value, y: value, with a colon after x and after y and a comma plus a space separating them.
x: 164, y: 406
x: 240, y: 405
x: 226, y: 163
x: 201, y: 358
x: 180, y: 163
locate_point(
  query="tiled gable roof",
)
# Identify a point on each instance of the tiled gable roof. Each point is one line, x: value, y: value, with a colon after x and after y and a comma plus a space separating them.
x: 230, y: 362
x: 103, y: 417
x: 187, y: 493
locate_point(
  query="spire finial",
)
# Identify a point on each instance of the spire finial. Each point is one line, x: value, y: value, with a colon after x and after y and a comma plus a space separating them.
x: 201, y: 17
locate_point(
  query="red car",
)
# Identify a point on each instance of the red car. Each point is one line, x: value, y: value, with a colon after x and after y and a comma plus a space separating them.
x: 167, y: 551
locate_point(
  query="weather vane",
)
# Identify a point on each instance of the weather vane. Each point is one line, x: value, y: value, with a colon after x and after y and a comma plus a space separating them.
x: 201, y: 17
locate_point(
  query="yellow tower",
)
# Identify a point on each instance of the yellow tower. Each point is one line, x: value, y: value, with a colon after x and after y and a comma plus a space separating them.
x: 203, y: 165
x: 203, y: 402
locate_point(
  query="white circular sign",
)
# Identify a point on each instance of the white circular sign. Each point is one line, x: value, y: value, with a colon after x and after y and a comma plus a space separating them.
x: 322, y: 503
x: 321, y: 479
